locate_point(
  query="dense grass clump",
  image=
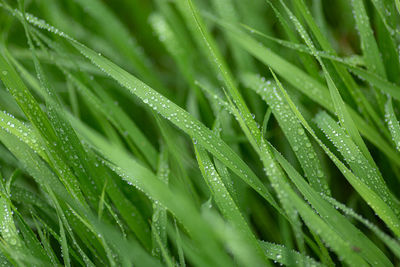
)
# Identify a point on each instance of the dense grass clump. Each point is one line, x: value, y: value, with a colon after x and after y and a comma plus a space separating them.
x: 199, y: 133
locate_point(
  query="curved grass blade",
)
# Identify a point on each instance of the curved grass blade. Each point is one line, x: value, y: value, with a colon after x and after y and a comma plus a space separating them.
x: 361, y: 167
x: 310, y: 218
x: 170, y: 111
x: 308, y: 86
x: 340, y: 108
x: 373, y: 200
x: 293, y: 130
x: 38, y: 118
x: 334, y: 219
x: 332, y: 67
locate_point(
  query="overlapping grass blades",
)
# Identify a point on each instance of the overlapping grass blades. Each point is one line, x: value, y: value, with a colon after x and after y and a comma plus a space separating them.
x: 196, y: 159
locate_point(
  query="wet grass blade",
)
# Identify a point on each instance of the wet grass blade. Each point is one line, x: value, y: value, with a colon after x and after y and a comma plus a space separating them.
x: 293, y: 130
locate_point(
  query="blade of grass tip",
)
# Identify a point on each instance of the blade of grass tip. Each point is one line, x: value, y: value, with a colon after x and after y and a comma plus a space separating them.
x: 393, y: 123
x: 265, y: 122
x: 73, y: 99
x: 159, y: 218
x: 46, y: 227
x: 8, y: 230
x: 398, y: 5
x: 128, y: 251
x: 62, y: 215
x: 164, y: 253
x: 32, y: 242
x: 102, y: 201
x: 51, y: 231
x: 169, y: 110
x: 181, y: 255
x: 342, y: 226
x: 64, y: 245
x: 116, y: 219
x: 373, y: 200
x: 228, y: 207
x: 293, y: 131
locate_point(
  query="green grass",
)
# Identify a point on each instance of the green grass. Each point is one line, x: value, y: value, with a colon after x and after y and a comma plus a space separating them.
x: 199, y: 133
